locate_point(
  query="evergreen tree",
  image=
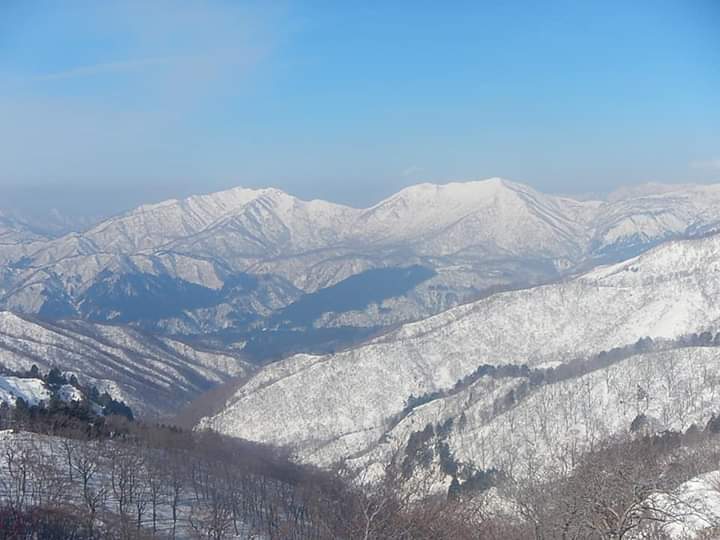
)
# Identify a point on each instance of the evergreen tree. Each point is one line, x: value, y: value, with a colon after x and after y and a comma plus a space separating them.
x: 117, y: 408
x: 94, y: 395
x: 454, y: 489
x: 55, y: 379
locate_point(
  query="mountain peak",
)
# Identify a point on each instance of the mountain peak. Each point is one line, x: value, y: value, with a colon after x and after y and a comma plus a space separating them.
x: 465, y: 186
x: 471, y: 193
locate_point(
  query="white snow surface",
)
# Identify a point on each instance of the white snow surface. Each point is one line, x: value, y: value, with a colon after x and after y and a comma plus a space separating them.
x: 694, y: 505
x: 33, y: 391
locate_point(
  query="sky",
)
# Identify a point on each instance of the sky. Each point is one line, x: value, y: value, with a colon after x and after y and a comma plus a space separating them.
x: 109, y: 104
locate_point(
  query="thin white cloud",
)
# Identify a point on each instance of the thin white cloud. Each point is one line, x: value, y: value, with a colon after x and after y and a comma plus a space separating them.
x: 707, y: 164
x: 104, y: 68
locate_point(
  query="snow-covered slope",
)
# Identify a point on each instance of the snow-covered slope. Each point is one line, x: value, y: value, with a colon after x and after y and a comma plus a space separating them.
x: 695, y: 507
x: 234, y: 223
x: 541, y: 431
x: 551, y: 428
x: 32, y: 391
x: 346, y: 400
x: 154, y: 376
x: 495, y: 217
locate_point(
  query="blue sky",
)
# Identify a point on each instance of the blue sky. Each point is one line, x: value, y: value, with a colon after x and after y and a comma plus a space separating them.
x: 351, y: 101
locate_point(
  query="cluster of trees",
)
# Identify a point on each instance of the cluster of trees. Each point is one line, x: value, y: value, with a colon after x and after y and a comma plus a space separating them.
x: 428, y: 447
x: 91, y: 404
x: 621, y: 490
x: 128, y: 480
x: 45, y: 523
x: 86, y: 475
x: 568, y: 370
x: 53, y: 378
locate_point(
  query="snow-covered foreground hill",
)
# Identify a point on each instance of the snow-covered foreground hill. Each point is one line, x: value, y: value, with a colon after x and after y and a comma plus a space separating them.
x: 154, y: 376
x: 339, y: 407
x: 188, y: 256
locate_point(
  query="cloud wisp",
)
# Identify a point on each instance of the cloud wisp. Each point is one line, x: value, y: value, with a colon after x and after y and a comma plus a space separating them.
x: 106, y: 68
x: 706, y: 164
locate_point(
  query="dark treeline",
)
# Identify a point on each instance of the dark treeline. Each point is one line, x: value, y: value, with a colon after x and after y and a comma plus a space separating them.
x: 128, y: 480
x: 622, y: 489
x: 571, y: 369
x: 111, y: 478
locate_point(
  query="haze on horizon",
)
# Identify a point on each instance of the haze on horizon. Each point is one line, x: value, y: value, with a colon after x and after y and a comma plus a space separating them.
x: 116, y: 103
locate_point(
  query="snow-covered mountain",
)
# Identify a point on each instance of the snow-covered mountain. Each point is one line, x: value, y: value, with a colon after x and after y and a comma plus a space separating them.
x: 14, y: 231
x: 340, y: 406
x: 154, y: 376
x: 490, y: 217
x: 654, y: 215
x: 473, y: 237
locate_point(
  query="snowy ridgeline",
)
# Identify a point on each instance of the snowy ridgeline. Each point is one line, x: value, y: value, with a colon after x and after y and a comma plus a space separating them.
x: 245, y: 227
x: 125, y: 487
x: 475, y: 235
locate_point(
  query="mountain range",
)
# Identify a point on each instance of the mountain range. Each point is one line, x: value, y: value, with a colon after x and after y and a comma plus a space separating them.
x: 227, y: 266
